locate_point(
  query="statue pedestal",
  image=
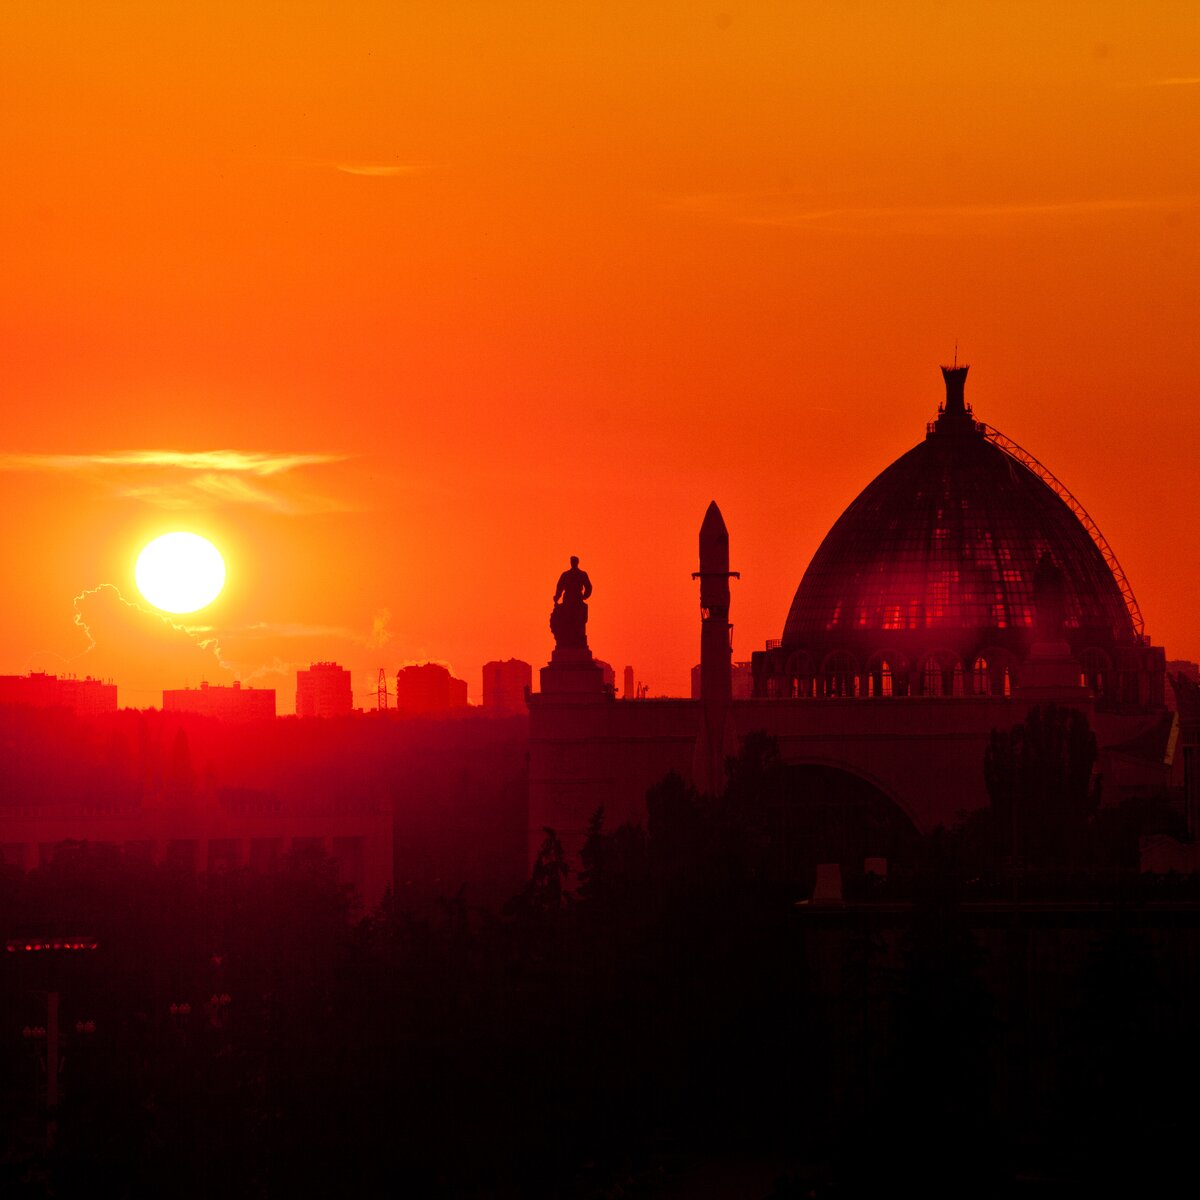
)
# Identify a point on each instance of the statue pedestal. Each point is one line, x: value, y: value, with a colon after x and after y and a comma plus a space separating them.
x: 572, y: 673
x: 1051, y: 673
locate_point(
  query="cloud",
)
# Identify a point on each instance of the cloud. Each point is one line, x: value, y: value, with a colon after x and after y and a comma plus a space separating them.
x: 282, y: 671
x: 146, y: 652
x: 176, y: 479
x: 1169, y: 81
x: 250, y: 462
x: 385, y: 170
x: 427, y: 662
x: 788, y: 212
x: 380, y: 634
x: 143, y: 650
x: 268, y: 629
x: 235, y: 489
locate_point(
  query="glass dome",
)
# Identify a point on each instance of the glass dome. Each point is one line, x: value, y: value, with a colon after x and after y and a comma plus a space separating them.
x: 925, y: 584
x: 947, y: 539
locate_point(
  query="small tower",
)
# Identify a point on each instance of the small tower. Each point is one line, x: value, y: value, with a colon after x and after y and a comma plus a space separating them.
x: 716, y: 648
x: 715, y: 740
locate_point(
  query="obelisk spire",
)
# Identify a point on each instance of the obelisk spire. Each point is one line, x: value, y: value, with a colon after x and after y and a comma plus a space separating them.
x: 715, y: 739
x: 716, y: 678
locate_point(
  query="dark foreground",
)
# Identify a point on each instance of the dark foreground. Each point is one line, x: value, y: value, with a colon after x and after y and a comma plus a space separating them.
x: 666, y: 1022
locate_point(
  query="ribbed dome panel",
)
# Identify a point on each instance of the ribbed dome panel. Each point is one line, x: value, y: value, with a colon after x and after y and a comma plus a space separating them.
x: 947, y: 539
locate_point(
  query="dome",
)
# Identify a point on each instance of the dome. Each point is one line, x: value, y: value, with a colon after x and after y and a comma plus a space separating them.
x: 934, y: 562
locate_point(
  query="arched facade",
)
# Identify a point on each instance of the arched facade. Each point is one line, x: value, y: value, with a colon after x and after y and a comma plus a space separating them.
x: 839, y: 676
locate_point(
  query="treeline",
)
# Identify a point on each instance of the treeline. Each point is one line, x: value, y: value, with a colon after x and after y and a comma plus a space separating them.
x: 666, y: 1020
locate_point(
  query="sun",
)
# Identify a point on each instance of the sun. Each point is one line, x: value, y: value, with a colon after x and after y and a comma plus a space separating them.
x: 180, y: 572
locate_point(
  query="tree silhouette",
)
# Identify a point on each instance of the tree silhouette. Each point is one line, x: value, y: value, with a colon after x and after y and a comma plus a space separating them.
x: 1039, y: 781
x: 594, y: 878
x: 540, y: 907
x: 941, y: 1069
x: 675, y: 823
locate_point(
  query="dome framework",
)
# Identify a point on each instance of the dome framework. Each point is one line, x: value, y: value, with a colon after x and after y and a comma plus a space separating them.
x: 926, y: 583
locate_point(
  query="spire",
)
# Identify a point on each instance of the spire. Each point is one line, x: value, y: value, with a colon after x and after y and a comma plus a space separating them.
x: 955, y: 414
x: 715, y: 741
x: 714, y: 543
x: 956, y: 383
x: 714, y: 576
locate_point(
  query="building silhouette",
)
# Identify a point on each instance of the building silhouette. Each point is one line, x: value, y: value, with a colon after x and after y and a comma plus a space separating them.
x: 87, y: 696
x: 323, y: 691
x: 233, y: 832
x: 428, y: 688
x: 964, y: 586
x: 212, y: 833
x: 927, y: 584
x: 234, y: 703
x: 200, y: 795
x: 1162, y: 853
x: 742, y: 681
x: 505, y: 685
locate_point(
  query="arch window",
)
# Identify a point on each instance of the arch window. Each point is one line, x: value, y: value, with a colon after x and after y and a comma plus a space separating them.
x: 840, y: 675
x: 931, y: 678
x: 941, y: 674
x: 799, y: 673
x: 886, y: 675
x: 879, y: 678
x: 994, y: 672
x: 981, y: 684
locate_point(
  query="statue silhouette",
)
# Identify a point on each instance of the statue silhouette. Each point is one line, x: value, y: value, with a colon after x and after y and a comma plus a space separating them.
x: 568, y: 620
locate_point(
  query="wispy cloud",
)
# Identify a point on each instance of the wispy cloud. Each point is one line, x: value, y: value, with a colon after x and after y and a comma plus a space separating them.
x: 424, y: 662
x: 1169, y: 81
x: 235, y: 489
x: 249, y: 462
x: 385, y: 170
x: 269, y: 629
x: 175, y: 479
x: 380, y: 633
x: 786, y: 211
x: 127, y: 640
x: 281, y: 669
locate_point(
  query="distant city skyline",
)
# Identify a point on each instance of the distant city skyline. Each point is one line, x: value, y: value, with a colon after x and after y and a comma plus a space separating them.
x: 400, y: 326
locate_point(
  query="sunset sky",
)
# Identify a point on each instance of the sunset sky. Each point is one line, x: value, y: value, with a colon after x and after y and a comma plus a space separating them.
x: 401, y: 304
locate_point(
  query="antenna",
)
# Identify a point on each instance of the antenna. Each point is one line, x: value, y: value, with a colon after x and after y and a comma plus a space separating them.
x: 381, y: 692
x: 956, y: 352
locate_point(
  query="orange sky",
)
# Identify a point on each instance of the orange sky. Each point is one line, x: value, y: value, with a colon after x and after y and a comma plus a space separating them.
x: 466, y: 288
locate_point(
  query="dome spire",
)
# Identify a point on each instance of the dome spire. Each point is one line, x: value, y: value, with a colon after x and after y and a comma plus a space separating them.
x: 955, y: 413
